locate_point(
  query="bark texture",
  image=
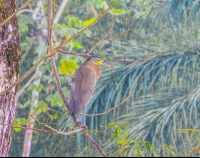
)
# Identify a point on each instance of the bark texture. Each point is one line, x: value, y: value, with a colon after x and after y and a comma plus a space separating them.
x: 9, y: 73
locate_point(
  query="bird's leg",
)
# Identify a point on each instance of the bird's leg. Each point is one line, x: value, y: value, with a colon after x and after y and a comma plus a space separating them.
x: 85, y: 116
x: 84, y: 126
x: 76, y: 119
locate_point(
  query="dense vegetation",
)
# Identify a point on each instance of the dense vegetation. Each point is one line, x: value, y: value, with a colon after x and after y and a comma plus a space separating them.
x: 160, y: 118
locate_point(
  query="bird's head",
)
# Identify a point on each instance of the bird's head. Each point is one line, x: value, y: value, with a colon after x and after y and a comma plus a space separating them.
x: 99, y: 61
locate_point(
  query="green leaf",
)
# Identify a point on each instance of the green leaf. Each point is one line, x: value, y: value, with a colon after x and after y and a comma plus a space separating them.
x: 68, y: 66
x: 142, y: 3
x: 117, y: 11
x: 77, y: 45
x: 138, y: 147
x: 87, y: 22
x: 53, y: 101
x: 88, y: 33
x: 16, y: 125
x: 39, y: 88
x: 23, y: 28
x: 56, y: 116
x: 19, y: 122
x: 41, y: 107
x: 138, y: 154
x: 64, y: 26
x: 97, y: 134
x: 148, y: 145
x: 76, y: 21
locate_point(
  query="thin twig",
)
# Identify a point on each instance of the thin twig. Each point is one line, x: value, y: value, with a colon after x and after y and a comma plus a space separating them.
x: 128, y: 61
x: 47, y: 131
x: 102, y: 38
x: 26, y: 85
x: 192, y: 153
x: 27, y: 50
x: 83, y: 150
x: 117, y: 14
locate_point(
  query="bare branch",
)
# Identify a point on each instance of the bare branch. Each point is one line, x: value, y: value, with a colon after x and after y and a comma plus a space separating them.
x: 102, y: 38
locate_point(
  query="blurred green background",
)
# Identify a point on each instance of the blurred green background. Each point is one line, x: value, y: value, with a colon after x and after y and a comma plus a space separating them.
x: 161, y: 118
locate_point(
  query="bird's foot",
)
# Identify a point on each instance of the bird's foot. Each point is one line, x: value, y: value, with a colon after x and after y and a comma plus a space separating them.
x: 78, y: 122
x: 85, y: 127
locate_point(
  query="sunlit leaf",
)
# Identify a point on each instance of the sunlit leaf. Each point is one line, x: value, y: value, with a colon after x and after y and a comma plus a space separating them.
x: 97, y: 134
x: 68, y: 66
x: 117, y: 11
x: 19, y: 122
x: 56, y: 116
x: 87, y: 22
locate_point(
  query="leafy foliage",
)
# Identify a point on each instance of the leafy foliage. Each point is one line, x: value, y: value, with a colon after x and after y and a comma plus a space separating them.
x: 68, y: 66
x: 166, y: 100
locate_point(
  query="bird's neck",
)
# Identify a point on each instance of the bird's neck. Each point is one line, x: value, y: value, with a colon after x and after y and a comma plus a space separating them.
x: 96, y: 69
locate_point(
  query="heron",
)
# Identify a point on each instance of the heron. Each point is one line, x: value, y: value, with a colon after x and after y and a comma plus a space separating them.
x: 84, y: 83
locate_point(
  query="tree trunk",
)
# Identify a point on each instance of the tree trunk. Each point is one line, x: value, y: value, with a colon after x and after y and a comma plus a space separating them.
x: 9, y: 73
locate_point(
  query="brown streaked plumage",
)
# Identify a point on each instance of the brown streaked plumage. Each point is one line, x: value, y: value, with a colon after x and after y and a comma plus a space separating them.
x: 84, y: 84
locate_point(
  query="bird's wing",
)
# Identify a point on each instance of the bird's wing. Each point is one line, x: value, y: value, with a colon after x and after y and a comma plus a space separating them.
x: 84, y: 85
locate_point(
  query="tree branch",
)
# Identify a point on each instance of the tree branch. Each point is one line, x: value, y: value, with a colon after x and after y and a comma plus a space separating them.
x: 47, y: 131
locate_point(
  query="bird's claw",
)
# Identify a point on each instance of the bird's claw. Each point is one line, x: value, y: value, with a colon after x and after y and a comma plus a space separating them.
x: 85, y: 127
x: 77, y: 122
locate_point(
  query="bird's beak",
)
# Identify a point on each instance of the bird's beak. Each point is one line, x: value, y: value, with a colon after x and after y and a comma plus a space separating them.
x: 106, y: 64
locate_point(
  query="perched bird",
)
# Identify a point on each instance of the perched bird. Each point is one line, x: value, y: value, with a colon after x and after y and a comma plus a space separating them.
x: 84, y: 84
